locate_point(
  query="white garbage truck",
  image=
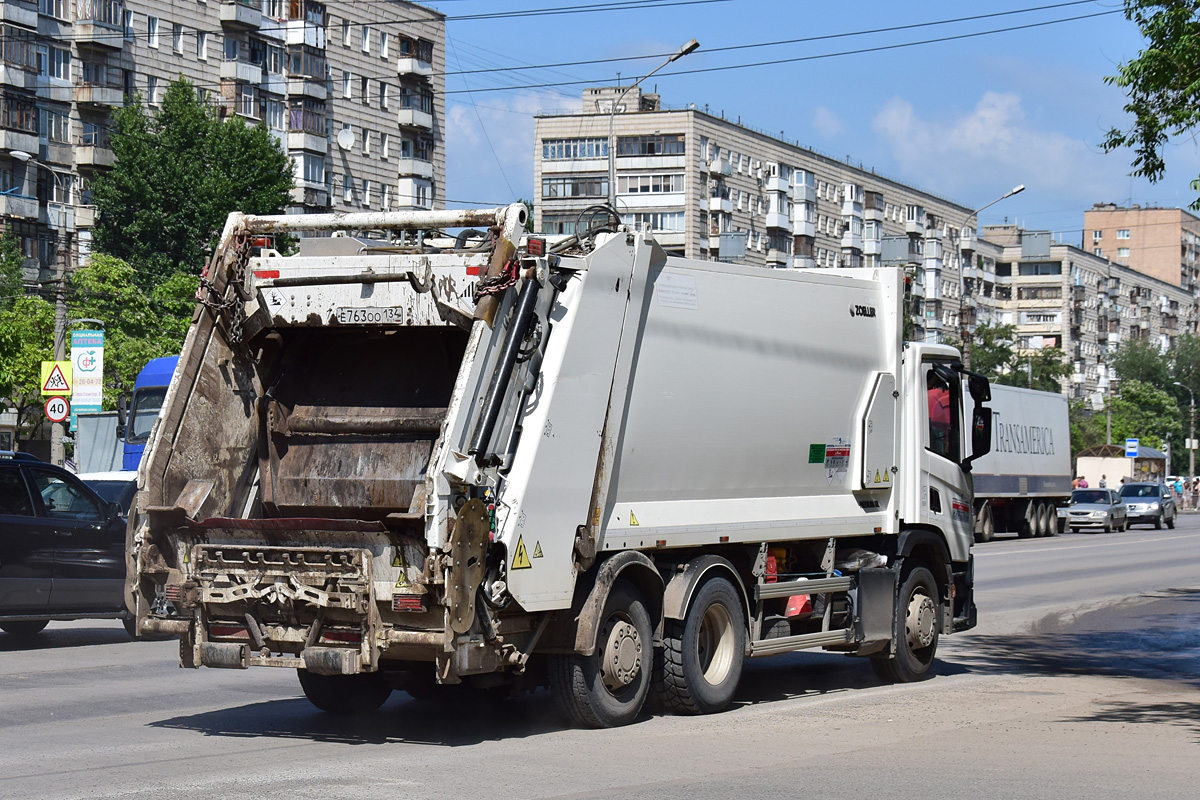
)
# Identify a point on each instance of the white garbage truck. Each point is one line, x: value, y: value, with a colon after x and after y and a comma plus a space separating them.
x: 412, y: 461
x: 1026, y: 478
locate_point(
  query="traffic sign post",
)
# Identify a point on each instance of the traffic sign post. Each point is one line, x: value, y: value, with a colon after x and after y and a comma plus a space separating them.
x: 1131, y: 448
x: 58, y: 409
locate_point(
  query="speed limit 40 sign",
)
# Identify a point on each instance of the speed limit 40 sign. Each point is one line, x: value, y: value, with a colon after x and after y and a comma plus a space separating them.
x: 58, y: 409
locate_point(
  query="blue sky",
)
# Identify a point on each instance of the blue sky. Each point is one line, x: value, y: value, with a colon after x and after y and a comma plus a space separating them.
x: 966, y: 119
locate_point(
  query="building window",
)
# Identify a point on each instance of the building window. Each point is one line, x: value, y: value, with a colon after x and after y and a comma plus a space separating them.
x: 1123, y: 233
x: 348, y: 85
x: 58, y: 64
x: 385, y: 142
x: 1122, y: 252
x: 421, y: 197
x: 655, y: 145
x: 1098, y: 251
x: 202, y: 45
x: 649, y: 184
x: 275, y: 115
x: 383, y: 53
x: 348, y: 190
x: 247, y: 100
x: 366, y: 38
x: 231, y: 49
x: 152, y: 31
x: 345, y: 33
x: 177, y: 38
x: 313, y: 167
x: 385, y: 200
x: 152, y: 90
x: 573, y: 149
x: 366, y: 192
x: 53, y: 8
x: 383, y: 95
x: 575, y: 186
x: 366, y: 142
x: 1097, y: 235
x: 365, y: 86
x: 127, y: 24
x: 659, y: 220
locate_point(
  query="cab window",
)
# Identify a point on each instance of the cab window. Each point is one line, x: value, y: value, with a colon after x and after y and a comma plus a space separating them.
x: 943, y: 417
x: 64, y: 499
x: 14, y: 497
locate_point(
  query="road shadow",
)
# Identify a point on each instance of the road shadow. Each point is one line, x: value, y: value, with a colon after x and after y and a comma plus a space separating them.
x: 53, y: 638
x: 1180, y: 714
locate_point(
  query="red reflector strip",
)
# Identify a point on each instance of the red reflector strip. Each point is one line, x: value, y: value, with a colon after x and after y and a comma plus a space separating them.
x: 266, y: 273
x: 342, y: 636
x: 476, y: 271
x: 173, y: 592
x: 408, y: 602
x: 237, y: 631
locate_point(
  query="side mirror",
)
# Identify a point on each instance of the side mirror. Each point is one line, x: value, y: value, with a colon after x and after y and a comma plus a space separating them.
x: 981, y: 434
x: 122, y: 415
x: 114, y: 510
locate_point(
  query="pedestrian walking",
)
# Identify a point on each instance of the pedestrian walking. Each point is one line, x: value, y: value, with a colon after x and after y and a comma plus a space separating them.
x: 1103, y: 481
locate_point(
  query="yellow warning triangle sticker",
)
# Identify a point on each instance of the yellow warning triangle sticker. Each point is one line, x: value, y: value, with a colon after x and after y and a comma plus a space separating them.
x: 521, y: 557
x: 537, y: 549
x: 886, y: 478
x: 397, y: 561
x: 633, y: 519
x: 877, y: 476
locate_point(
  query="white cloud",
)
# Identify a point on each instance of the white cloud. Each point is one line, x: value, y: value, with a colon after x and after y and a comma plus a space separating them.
x: 827, y: 123
x: 490, y: 147
x: 993, y: 145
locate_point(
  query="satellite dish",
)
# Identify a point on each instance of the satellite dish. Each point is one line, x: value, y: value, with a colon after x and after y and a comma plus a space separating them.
x: 345, y: 138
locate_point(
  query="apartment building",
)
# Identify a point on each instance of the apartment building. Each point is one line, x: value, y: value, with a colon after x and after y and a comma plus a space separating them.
x: 355, y: 92
x: 1058, y: 295
x: 713, y: 188
x: 1163, y: 242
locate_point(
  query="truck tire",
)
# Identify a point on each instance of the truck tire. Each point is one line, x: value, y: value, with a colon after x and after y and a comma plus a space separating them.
x: 130, y: 623
x: 24, y: 627
x: 1027, y: 524
x: 987, y: 525
x: 345, y: 694
x: 702, y: 655
x: 608, y: 688
x: 1051, y: 517
x: 917, y: 639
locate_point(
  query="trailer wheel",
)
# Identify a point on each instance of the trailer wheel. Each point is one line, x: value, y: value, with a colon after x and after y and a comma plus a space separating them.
x: 345, y: 694
x: 24, y: 627
x: 1051, y: 518
x: 609, y: 687
x: 987, y: 525
x: 1027, y: 525
x: 702, y: 656
x: 917, y: 641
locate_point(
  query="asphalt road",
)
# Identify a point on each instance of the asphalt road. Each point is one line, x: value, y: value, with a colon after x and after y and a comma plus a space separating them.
x: 1082, y: 681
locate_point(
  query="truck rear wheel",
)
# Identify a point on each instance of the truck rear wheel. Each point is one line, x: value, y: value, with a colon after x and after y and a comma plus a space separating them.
x: 987, y: 525
x: 1027, y: 524
x: 609, y: 687
x: 703, y: 655
x: 917, y: 634
x: 1050, y: 516
x: 345, y: 694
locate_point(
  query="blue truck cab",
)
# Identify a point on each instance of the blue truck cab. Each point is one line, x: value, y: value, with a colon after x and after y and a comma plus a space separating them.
x: 149, y: 391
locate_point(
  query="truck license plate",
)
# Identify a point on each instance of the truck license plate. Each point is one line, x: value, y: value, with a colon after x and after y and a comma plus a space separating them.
x: 370, y: 316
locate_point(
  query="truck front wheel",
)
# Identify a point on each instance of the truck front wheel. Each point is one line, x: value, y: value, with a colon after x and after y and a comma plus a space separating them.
x: 917, y: 639
x: 608, y: 688
x: 345, y: 694
x: 703, y: 654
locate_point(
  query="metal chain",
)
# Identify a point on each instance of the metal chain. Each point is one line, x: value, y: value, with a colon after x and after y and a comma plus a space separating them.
x: 233, y: 301
x: 492, y: 286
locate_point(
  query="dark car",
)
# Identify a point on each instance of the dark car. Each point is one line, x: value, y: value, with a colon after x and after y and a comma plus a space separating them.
x: 62, y: 549
x: 1149, y: 503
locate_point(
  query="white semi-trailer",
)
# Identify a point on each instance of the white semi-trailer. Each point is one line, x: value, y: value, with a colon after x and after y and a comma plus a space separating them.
x: 507, y: 466
x: 1020, y: 484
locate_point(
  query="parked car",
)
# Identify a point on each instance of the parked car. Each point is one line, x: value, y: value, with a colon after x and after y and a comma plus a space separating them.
x: 1150, y: 503
x: 118, y: 486
x: 1091, y: 509
x: 62, y: 549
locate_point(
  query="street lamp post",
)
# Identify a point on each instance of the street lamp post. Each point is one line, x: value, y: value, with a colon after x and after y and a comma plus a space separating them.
x: 688, y: 47
x: 1191, y: 438
x: 963, y: 332
x: 57, y: 432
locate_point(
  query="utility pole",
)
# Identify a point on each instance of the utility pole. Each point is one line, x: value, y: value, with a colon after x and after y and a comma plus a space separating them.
x: 964, y: 331
x: 1191, y: 443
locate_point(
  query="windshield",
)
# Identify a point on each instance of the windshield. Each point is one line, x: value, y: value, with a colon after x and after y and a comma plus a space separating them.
x: 119, y: 492
x: 1097, y: 496
x: 1139, y: 490
x: 146, y: 405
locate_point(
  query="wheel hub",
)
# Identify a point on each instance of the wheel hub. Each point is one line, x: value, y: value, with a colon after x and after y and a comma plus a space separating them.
x: 920, y: 622
x: 622, y: 659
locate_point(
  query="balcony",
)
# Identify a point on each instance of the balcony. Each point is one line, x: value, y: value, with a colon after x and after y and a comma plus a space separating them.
x: 16, y: 205
x: 777, y: 184
x: 852, y: 208
x: 415, y: 118
x: 726, y: 205
x: 242, y: 72
x: 721, y: 166
x: 301, y: 31
x: 18, y: 140
x: 777, y: 220
x: 16, y: 77
x: 872, y: 247
x: 804, y: 227
x: 914, y: 227
x: 714, y: 243
x: 98, y: 24
x: 85, y: 216
x: 18, y: 13
x: 99, y: 96
x: 852, y: 241
x: 304, y: 86
x: 916, y: 289
x: 313, y: 195
x: 94, y: 155
x: 308, y: 142
x: 777, y: 258
x: 241, y: 15
x: 803, y: 193
x: 410, y: 65
x: 414, y: 167
x: 804, y: 262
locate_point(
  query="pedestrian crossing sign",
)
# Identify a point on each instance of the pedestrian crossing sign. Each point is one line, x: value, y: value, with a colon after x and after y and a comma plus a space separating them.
x: 56, y: 378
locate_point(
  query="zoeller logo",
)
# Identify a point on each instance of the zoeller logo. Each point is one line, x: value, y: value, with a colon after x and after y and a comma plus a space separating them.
x: 861, y: 311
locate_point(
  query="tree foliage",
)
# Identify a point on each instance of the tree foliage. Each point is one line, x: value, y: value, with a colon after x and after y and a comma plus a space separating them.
x: 26, y: 340
x: 139, y: 325
x: 1161, y: 84
x: 179, y: 172
x: 11, y: 285
x: 994, y: 354
x: 1142, y: 360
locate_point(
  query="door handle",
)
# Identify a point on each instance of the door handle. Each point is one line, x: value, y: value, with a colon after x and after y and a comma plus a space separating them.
x: 65, y: 533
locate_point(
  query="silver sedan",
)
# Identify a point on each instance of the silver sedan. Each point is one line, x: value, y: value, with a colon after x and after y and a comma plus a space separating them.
x: 1096, y: 509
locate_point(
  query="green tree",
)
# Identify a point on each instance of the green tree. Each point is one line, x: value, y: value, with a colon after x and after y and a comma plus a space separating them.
x: 139, y: 325
x: 1145, y: 412
x: 992, y: 349
x: 11, y: 285
x: 1088, y: 427
x: 1164, y: 95
x: 1142, y: 360
x: 26, y: 340
x: 178, y: 175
